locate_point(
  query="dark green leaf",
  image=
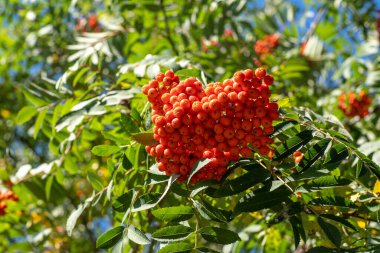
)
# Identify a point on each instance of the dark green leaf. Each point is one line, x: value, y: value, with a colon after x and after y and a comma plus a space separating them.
x: 197, y: 167
x: 146, y: 201
x: 313, y: 153
x: 179, y: 247
x: 205, y: 250
x: 219, y: 235
x: 126, y: 163
x: 174, y: 213
x: 104, y: 150
x: 209, y: 212
x: 262, y: 200
x: 292, y: 144
x: 172, y: 233
x: 333, y: 201
x: 200, y: 186
x: 110, y: 237
x: 324, y: 250
x: 240, y: 183
x: 281, y: 127
x: 122, y: 203
x: 332, y: 232
x: 337, y: 153
x: 339, y: 219
x: 323, y: 183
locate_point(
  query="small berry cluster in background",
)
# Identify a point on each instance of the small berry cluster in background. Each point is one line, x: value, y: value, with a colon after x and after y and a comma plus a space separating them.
x: 217, y: 122
x: 266, y: 46
x: 91, y: 24
x: 353, y: 104
x: 6, y: 196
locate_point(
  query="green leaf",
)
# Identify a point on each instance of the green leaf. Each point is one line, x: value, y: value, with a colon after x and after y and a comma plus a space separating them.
x: 95, y: 181
x: 186, y: 73
x: 322, y: 249
x: 339, y: 219
x: 262, y: 200
x: 48, y: 186
x: 174, y: 213
x: 292, y: 144
x: 137, y: 236
x: 323, y: 183
x: 281, y: 127
x: 337, y: 153
x: 123, y: 202
x: 209, y: 212
x: 333, y: 201
x: 200, y: 186
x: 155, y: 179
x: 39, y: 122
x: 298, y: 230
x: 145, y: 138
x: 205, y: 250
x: 313, y: 154
x: 197, y: 167
x: 110, y: 237
x: 240, y: 183
x: 26, y: 114
x: 332, y: 232
x: 70, y: 165
x: 126, y: 163
x: 150, y: 200
x: 71, y: 221
x: 129, y: 124
x: 104, y: 150
x: 179, y: 247
x: 219, y: 235
x: 172, y: 233
x: 325, y: 30
x: 146, y: 201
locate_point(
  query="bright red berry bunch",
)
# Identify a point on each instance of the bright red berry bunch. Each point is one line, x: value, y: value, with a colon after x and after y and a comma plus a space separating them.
x: 353, y: 104
x: 217, y: 122
x: 5, y: 196
x: 266, y: 46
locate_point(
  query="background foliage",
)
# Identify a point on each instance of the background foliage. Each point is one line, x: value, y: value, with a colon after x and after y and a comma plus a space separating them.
x: 71, y: 106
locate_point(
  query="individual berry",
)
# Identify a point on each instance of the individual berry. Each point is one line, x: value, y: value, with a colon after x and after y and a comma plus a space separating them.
x: 260, y: 73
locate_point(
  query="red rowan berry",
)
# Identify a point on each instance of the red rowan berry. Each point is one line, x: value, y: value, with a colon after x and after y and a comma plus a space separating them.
x: 268, y: 80
x: 248, y: 73
x: 176, y: 123
x: 239, y: 77
x: 160, y: 77
x: 245, y: 152
x: 260, y: 73
x: 219, y: 138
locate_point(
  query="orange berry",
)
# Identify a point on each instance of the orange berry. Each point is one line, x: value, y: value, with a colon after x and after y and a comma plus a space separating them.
x: 260, y: 73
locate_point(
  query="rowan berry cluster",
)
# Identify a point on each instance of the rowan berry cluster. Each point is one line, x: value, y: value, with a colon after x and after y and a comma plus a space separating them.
x: 5, y: 196
x: 266, y: 46
x: 353, y: 104
x: 217, y: 122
